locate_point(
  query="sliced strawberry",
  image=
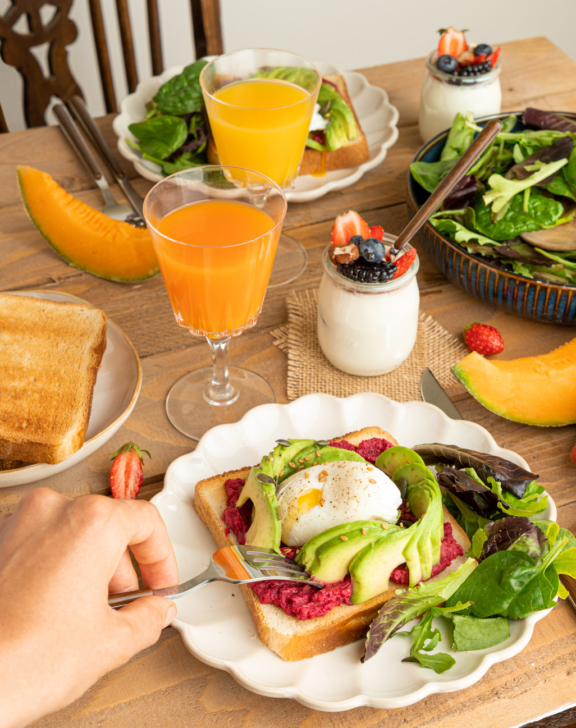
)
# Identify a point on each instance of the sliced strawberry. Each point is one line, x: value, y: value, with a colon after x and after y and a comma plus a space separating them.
x: 452, y: 43
x: 479, y: 59
x: 347, y: 225
x: 377, y: 232
x: 126, y: 475
x: 404, y: 262
x: 493, y: 57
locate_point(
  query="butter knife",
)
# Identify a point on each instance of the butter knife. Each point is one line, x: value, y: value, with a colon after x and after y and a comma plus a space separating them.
x: 433, y: 393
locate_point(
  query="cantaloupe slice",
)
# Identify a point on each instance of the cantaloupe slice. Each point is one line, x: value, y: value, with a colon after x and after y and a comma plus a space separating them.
x: 83, y: 236
x: 535, y: 390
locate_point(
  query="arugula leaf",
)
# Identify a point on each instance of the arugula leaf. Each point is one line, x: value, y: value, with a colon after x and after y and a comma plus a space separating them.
x: 502, y: 190
x: 182, y: 94
x: 473, y: 633
x: 425, y: 640
x: 160, y: 136
x: 460, y: 137
x: 401, y: 609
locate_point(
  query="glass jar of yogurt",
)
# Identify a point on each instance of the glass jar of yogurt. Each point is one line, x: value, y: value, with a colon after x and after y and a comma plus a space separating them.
x: 367, y: 329
x: 444, y: 95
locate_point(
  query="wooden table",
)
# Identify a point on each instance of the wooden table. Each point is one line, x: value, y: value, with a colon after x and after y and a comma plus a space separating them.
x: 165, y: 687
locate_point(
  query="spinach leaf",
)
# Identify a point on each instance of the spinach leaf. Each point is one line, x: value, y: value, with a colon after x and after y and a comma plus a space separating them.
x: 542, y: 212
x: 182, y: 94
x: 512, y: 477
x: 460, y: 137
x: 430, y: 174
x: 401, y: 609
x: 184, y: 161
x: 472, y: 633
x: 160, y: 136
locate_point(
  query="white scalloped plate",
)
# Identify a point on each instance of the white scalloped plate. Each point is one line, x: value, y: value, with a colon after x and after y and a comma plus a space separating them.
x: 377, y: 116
x: 215, y: 623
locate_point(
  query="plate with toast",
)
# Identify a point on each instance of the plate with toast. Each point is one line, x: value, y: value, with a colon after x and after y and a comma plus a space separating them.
x: 315, y: 657
x: 320, y: 173
x: 70, y: 378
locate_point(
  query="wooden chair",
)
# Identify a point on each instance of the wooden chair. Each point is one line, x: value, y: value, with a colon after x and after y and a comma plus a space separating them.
x: 60, y: 31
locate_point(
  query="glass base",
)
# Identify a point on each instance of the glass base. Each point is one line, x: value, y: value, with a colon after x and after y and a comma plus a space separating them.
x: 290, y: 262
x: 191, y: 413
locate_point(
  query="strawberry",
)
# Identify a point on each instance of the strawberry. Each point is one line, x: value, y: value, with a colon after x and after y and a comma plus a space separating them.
x: 493, y: 57
x: 486, y: 340
x: 479, y: 59
x: 573, y: 455
x: 126, y: 475
x: 404, y: 262
x: 452, y: 42
x: 377, y: 232
x: 347, y: 225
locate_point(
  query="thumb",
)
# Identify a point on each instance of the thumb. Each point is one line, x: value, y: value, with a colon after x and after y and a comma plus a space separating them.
x: 140, y: 624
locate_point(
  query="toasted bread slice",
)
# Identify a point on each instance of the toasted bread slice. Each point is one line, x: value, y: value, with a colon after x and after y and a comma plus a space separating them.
x: 349, y: 156
x: 10, y: 464
x: 291, y: 638
x: 49, y: 357
x: 314, y: 162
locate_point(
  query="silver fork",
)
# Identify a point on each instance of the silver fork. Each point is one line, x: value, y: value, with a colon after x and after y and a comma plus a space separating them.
x: 113, y: 209
x: 234, y: 564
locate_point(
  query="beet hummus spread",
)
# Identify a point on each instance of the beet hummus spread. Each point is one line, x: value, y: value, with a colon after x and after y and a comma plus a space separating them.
x: 302, y: 600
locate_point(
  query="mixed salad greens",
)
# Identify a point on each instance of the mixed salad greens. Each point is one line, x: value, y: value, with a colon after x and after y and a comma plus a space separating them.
x: 515, y: 560
x: 174, y: 134
x: 525, y: 181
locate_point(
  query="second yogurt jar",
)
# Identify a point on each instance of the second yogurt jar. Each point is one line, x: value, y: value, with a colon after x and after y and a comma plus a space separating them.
x: 367, y: 328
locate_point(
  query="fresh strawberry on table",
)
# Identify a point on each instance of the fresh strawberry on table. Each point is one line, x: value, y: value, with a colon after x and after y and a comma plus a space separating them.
x: 127, y: 474
x: 348, y: 225
x: 573, y: 455
x: 404, y: 262
x: 452, y: 42
x: 486, y: 340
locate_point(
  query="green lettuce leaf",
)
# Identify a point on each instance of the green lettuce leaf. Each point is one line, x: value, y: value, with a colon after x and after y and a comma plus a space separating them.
x: 430, y: 174
x: 473, y: 633
x: 460, y: 137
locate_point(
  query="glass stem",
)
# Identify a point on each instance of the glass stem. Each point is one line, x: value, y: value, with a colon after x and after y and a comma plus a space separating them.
x: 220, y: 391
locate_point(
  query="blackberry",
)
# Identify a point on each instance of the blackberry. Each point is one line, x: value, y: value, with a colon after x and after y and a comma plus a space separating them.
x: 364, y: 272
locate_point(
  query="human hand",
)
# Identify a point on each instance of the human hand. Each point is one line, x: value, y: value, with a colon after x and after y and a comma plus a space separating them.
x: 59, y: 560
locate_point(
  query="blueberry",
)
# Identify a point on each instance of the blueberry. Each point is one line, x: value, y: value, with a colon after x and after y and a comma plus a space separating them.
x: 481, y: 49
x: 356, y: 240
x: 372, y: 250
x: 447, y: 64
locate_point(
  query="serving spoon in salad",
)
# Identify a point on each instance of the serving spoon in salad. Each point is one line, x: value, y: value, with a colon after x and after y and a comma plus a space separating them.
x: 559, y: 239
x: 478, y: 146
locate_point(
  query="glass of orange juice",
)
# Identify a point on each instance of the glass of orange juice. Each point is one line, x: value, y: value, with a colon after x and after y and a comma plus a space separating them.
x: 260, y: 104
x: 215, y: 231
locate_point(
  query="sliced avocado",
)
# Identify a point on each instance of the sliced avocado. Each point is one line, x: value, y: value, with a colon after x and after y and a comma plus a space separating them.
x: 423, y: 551
x: 334, y: 556
x: 371, y: 568
x: 307, y: 553
x: 342, y: 127
x: 390, y: 460
x: 279, y: 459
x: 266, y: 527
x: 299, y: 75
x: 414, y: 473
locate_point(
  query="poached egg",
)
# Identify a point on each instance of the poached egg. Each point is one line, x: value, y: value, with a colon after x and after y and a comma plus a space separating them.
x: 313, y: 500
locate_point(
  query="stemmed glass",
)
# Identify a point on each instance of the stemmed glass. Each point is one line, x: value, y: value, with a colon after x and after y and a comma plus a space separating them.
x: 260, y: 103
x: 215, y: 231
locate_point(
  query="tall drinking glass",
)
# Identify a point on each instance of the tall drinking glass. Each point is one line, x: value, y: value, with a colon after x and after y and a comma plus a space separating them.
x: 260, y: 103
x: 215, y: 231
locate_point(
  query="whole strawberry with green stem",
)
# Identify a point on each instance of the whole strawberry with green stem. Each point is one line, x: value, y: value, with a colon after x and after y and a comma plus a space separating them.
x: 127, y: 473
x: 485, y: 340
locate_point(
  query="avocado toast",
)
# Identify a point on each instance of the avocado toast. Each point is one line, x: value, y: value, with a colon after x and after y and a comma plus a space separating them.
x: 369, y: 553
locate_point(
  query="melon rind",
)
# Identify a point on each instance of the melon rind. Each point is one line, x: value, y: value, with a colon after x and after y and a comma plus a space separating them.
x: 119, y: 252
x: 538, y: 390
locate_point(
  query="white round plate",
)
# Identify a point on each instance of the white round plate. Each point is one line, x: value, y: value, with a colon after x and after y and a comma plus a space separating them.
x: 115, y: 393
x: 214, y: 621
x: 377, y: 116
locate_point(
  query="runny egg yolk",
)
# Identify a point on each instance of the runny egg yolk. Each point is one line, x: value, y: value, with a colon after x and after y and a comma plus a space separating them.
x: 310, y: 499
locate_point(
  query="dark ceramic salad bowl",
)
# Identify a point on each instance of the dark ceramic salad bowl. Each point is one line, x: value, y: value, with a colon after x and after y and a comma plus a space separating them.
x: 534, y: 299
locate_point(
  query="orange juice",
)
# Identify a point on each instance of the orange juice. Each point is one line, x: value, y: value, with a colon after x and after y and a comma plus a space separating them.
x: 261, y: 124
x: 216, y: 257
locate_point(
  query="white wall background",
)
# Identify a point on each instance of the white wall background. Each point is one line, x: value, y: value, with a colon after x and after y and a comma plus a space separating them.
x: 349, y: 33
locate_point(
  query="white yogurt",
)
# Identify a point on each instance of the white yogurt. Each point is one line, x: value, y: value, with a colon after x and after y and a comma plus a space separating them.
x: 444, y: 95
x: 367, y: 329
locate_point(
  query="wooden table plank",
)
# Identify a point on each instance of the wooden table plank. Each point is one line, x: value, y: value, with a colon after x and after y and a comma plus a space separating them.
x: 165, y: 686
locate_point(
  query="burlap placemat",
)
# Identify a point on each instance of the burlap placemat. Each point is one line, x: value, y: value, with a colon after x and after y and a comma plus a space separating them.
x: 309, y: 370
